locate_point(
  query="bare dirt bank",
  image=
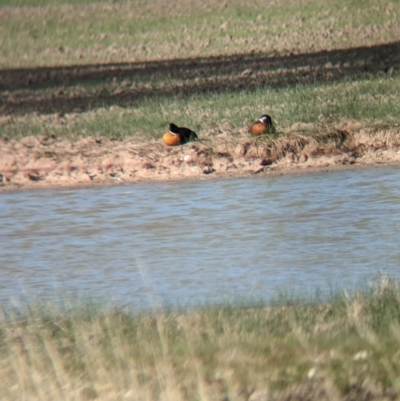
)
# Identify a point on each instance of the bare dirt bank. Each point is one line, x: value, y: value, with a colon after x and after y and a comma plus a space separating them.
x: 51, y: 162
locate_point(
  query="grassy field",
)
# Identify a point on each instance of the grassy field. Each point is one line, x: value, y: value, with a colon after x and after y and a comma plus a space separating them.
x: 125, y: 68
x: 88, y: 33
x: 343, y: 349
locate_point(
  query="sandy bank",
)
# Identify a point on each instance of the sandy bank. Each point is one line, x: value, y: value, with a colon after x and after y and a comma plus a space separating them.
x: 51, y: 162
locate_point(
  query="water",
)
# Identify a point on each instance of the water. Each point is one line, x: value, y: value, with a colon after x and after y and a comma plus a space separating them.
x: 196, y: 242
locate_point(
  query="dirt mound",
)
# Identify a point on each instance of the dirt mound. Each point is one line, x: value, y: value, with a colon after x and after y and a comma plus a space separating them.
x: 48, y: 161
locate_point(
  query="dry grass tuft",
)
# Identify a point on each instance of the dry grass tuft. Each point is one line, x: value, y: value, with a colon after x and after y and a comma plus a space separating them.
x: 344, y: 349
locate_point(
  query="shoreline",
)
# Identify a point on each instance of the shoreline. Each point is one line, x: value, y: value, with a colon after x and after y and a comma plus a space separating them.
x: 47, y: 162
x: 297, y: 170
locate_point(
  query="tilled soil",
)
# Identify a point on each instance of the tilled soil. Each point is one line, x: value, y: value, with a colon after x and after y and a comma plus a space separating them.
x: 61, y: 90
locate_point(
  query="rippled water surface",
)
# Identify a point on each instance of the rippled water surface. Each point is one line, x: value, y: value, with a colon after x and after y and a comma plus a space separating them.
x: 199, y: 241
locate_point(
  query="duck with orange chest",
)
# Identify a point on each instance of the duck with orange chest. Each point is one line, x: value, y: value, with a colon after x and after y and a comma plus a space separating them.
x: 178, y: 135
x: 262, y: 126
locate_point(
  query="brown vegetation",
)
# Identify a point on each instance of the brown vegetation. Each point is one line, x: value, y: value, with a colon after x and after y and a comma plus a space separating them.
x: 47, y: 161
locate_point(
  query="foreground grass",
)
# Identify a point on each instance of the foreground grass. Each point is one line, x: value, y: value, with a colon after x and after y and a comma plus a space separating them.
x: 347, y: 348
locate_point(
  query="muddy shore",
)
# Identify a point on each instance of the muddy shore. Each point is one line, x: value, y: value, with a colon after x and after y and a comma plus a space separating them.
x: 51, y: 162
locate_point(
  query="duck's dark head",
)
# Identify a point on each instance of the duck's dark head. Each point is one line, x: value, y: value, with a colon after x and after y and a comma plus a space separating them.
x: 174, y: 129
x: 266, y: 119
